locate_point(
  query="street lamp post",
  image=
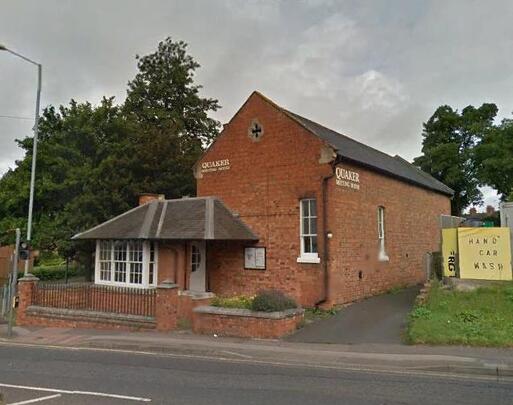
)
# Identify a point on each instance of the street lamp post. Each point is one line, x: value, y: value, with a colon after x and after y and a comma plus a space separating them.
x: 34, y: 146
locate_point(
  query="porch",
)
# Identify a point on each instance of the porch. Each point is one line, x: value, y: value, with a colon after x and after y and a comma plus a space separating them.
x: 164, y: 241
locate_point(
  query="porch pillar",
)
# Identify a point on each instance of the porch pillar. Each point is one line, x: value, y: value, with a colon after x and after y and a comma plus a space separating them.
x: 166, y: 311
x: 26, y: 286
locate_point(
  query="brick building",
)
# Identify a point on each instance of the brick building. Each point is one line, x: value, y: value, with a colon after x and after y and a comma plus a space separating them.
x: 283, y: 203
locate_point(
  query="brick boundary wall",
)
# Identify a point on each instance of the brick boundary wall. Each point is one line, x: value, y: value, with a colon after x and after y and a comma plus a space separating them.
x: 70, y: 318
x: 170, y: 308
x: 166, y: 312
x: 189, y: 301
x: 245, y: 323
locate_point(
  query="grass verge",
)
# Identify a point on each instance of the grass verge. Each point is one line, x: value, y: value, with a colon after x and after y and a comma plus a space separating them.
x: 483, y: 317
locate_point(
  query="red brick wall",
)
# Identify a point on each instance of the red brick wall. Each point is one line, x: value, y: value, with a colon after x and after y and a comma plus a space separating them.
x: 411, y: 230
x: 242, y: 326
x: 165, y: 319
x: 264, y: 184
x: 265, y: 181
x: 186, y: 305
x: 54, y: 322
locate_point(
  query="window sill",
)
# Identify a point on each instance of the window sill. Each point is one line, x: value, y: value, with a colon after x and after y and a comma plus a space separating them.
x: 306, y: 259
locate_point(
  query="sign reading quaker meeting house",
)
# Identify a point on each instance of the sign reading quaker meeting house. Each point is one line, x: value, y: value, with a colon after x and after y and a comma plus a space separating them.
x: 484, y: 253
x: 215, y: 165
x: 347, y: 178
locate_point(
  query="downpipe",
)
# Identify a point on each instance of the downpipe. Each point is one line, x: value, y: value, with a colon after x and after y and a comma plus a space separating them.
x: 325, y: 252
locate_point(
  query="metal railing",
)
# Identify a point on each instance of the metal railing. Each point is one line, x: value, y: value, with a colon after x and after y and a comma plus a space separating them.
x: 94, y: 297
x: 5, y: 298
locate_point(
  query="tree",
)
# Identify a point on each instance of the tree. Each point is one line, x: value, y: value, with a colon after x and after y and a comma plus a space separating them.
x: 173, y: 125
x: 76, y: 183
x: 494, y: 159
x: 448, y: 150
x: 94, y: 160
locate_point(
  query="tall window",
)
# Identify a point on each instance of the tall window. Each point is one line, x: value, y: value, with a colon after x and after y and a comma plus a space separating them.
x: 120, y: 262
x: 126, y: 263
x: 308, y: 231
x: 195, y: 258
x: 105, y: 260
x: 151, y: 265
x: 136, y: 261
x: 381, y: 234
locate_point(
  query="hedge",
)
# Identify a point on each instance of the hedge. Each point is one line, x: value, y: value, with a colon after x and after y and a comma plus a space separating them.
x: 49, y: 273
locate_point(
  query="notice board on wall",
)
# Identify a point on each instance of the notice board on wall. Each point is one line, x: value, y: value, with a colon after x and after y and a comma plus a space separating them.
x: 254, y: 258
x: 484, y: 253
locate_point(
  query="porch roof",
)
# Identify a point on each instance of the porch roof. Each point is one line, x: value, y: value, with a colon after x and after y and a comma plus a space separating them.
x: 202, y: 218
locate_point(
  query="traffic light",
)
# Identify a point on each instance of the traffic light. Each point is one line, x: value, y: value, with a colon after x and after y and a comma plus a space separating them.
x: 24, y: 251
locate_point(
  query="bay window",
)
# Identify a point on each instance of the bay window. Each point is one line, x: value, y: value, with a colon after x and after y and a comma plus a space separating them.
x: 131, y: 263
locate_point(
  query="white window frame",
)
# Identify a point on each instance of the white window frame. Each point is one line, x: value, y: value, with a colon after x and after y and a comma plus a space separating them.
x: 307, y: 257
x: 145, y: 265
x: 382, y: 256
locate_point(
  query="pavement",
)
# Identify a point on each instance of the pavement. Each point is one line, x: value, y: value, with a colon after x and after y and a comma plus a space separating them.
x: 455, y: 360
x: 61, y: 375
x: 380, y: 319
x: 367, y: 364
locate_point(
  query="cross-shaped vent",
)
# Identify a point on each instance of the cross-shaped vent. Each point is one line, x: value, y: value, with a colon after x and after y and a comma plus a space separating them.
x: 255, y: 130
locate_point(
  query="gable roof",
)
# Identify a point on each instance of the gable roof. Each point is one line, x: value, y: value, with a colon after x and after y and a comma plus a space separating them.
x: 181, y: 219
x: 357, y: 152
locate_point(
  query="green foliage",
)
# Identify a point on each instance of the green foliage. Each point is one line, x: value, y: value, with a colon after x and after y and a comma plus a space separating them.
x: 49, y: 258
x: 93, y: 161
x: 420, y: 312
x: 240, y: 301
x: 266, y: 301
x: 271, y: 301
x: 50, y: 273
x: 396, y: 289
x: 316, y: 313
x: 448, y: 150
x: 494, y: 159
x: 483, y: 317
x: 171, y: 118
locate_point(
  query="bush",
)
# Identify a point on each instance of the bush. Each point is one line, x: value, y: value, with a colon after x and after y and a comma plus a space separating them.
x: 240, y: 301
x: 50, y: 273
x: 271, y: 301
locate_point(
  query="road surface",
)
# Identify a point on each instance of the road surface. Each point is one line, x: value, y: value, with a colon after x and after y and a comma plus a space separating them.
x: 50, y: 376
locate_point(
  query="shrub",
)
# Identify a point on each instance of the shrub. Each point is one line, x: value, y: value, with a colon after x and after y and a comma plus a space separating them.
x: 49, y: 273
x: 271, y: 301
x: 241, y: 301
x: 468, y: 316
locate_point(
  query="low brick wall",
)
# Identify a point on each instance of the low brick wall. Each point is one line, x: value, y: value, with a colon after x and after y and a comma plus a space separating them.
x: 72, y: 318
x: 245, y: 323
x: 99, y: 317
x: 187, y: 301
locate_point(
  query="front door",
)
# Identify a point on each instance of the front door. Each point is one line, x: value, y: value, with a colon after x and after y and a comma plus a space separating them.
x: 198, y: 269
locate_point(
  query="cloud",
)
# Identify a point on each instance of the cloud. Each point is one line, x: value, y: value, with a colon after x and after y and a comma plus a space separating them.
x: 372, y: 70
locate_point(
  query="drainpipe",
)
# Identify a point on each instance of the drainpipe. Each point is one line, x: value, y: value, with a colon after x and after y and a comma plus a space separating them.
x: 325, y: 253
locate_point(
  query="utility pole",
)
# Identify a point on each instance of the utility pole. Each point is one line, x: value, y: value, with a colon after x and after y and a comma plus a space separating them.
x: 34, y: 146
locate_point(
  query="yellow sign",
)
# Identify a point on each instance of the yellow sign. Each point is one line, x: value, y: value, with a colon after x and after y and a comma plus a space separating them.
x: 450, y: 251
x: 484, y: 253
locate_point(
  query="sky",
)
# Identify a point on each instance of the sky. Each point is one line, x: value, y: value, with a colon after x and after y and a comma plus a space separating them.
x: 373, y: 70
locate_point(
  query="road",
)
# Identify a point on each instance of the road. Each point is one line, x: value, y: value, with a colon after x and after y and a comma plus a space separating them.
x: 100, y: 375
